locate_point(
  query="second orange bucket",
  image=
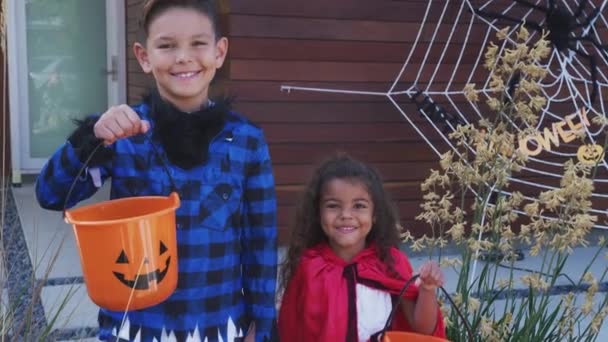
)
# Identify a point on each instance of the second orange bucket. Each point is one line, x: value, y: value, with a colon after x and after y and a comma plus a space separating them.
x: 400, y: 336
x: 128, y: 250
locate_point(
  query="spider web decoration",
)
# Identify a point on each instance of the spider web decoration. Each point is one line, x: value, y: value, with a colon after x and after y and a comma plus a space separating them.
x: 435, y: 71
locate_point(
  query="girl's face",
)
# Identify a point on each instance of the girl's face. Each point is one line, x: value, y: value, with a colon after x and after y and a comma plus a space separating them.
x: 183, y: 55
x: 346, y: 215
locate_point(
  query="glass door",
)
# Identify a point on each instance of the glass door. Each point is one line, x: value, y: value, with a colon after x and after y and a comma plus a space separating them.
x: 70, y: 61
x: 66, y: 56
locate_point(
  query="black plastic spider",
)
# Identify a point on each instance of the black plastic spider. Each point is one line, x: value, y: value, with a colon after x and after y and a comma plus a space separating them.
x: 435, y: 112
x: 562, y: 27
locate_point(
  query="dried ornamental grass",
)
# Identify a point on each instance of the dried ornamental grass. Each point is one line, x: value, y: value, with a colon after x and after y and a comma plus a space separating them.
x: 468, y: 202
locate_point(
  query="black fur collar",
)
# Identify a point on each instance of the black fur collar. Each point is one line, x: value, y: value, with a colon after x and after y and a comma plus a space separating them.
x: 186, y: 136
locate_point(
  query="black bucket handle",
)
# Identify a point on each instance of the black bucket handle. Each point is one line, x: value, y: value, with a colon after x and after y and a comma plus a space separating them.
x: 88, y: 160
x: 379, y: 335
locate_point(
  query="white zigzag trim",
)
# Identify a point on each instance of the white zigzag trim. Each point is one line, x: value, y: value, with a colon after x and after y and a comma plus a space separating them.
x: 138, y: 336
x: 124, y: 330
x: 231, y: 333
x: 195, y: 337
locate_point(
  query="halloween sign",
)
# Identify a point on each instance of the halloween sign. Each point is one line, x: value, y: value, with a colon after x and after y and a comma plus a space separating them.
x: 564, y: 131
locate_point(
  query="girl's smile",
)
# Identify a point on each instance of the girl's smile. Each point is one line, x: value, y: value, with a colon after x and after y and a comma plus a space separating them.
x: 346, y: 215
x: 346, y: 230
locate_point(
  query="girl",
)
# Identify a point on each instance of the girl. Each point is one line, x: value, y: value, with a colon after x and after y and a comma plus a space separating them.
x: 343, y: 264
x: 226, y: 225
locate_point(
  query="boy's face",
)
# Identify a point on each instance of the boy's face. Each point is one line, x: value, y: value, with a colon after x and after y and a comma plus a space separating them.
x: 183, y: 55
x: 347, y: 215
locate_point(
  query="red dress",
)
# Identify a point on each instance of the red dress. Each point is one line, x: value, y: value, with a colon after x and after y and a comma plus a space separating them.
x: 320, y: 302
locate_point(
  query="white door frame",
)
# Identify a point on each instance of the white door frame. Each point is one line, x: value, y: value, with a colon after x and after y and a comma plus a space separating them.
x: 21, y: 162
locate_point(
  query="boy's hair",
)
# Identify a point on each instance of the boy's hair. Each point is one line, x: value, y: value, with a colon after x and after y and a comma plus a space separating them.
x: 153, y: 8
x: 307, y: 232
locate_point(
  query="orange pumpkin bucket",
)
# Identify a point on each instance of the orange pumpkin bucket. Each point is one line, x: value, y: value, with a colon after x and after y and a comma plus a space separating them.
x: 401, y: 336
x: 128, y: 249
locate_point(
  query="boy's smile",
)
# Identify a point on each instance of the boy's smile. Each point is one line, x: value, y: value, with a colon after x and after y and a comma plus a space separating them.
x: 186, y: 75
x: 183, y: 55
x: 346, y: 215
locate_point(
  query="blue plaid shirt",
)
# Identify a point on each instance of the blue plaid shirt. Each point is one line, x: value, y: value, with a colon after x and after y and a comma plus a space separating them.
x: 226, y: 231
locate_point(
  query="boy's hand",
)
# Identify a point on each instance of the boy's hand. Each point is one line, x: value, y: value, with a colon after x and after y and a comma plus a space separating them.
x: 119, y: 122
x: 251, y: 333
x: 431, y: 276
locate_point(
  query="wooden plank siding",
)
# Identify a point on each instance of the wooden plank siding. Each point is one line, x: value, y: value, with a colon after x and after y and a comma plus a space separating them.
x: 356, y: 45
x: 137, y: 81
x: 342, y: 44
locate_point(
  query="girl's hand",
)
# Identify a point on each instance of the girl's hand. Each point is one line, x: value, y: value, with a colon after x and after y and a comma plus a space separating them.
x: 431, y: 276
x: 119, y: 122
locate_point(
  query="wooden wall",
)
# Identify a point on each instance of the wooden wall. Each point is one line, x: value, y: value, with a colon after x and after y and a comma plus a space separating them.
x: 137, y: 81
x: 351, y: 44
x: 343, y: 44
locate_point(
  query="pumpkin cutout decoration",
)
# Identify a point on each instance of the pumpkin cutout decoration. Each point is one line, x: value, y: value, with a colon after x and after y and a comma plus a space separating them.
x: 128, y: 250
x: 590, y: 154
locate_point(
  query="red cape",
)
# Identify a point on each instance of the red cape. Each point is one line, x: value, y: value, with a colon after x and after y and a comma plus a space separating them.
x: 319, y: 303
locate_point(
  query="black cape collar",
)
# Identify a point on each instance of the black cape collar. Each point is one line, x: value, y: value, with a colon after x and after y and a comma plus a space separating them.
x: 186, y: 136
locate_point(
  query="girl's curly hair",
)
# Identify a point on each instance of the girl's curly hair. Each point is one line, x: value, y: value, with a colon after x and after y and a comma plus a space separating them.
x: 306, y: 229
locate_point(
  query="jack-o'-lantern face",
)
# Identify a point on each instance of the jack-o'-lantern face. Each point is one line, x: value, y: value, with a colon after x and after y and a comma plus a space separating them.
x: 590, y: 154
x: 142, y: 281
